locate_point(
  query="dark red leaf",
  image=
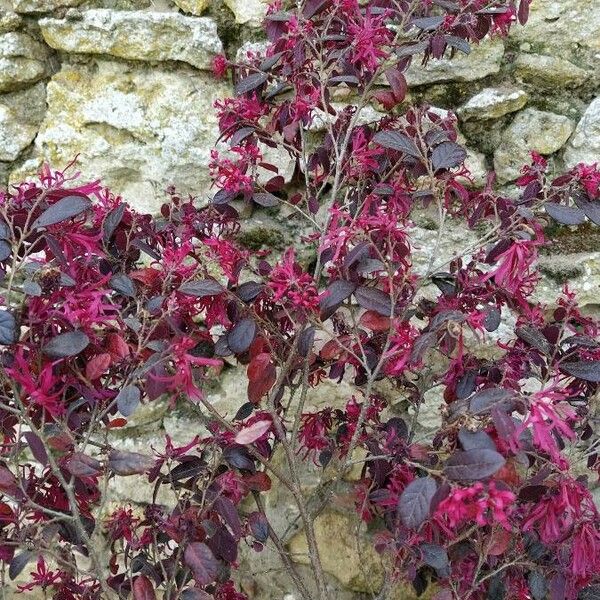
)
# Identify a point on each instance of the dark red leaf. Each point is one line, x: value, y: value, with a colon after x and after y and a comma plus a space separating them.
x: 200, y: 559
x: 265, y: 199
x: 18, y: 563
x: 8, y: 328
x: 259, y: 526
x: 143, y: 589
x: 485, y: 400
x: 82, y: 465
x: 128, y: 399
x: 334, y: 295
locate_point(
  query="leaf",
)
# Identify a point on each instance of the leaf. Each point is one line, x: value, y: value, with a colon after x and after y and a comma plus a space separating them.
x: 471, y: 440
x: 112, y: 221
x: 448, y: 155
x: 567, y: 215
x: 66, y: 208
x: 82, y: 465
x: 394, y: 140
x: 240, y: 135
x: 306, y: 339
x: 435, y: 556
x: 250, y: 83
x: 128, y: 399
x: 8, y: 328
x: 246, y: 292
x: 143, y: 589
x: 265, y: 199
x: 458, y: 43
x: 472, y: 465
x: 259, y: 526
x: 485, y: 400
x: 195, y: 594
x: 428, y: 23
x: 313, y: 7
x: 590, y: 208
x: 374, y: 299
x: 334, y: 295
x: 200, y: 559
x: 97, y: 366
x: 242, y: 335
x: 537, y: 585
x: 18, y: 563
x: 238, y: 457
x: 397, y: 82
x: 37, y: 447
x: 202, y: 288
x: 534, y: 338
x: 32, y: 288
x: 122, y: 284
x: 588, y: 370
x: 67, y: 344
x: 129, y: 463
x: 592, y: 592
x: 252, y: 432
x: 5, y: 250
x: 414, y: 505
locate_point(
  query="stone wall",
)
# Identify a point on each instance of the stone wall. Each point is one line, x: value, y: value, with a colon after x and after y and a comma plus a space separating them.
x: 126, y: 86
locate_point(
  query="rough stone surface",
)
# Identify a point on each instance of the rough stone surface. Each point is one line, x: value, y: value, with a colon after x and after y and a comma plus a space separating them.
x: 127, y: 125
x: 549, y: 71
x: 248, y: 12
x: 20, y: 116
x: 485, y: 59
x: 136, y: 35
x: 9, y: 21
x: 23, y: 60
x: 569, y: 29
x: 194, y: 7
x: 531, y: 130
x: 42, y: 6
x: 493, y: 103
x: 584, y: 146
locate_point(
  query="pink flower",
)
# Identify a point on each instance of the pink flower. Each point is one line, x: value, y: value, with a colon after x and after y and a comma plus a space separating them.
x: 292, y: 286
x: 545, y: 419
x: 220, y: 66
x: 369, y: 35
x: 476, y: 504
x: 514, y: 273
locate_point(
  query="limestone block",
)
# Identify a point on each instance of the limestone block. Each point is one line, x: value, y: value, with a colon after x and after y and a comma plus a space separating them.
x: 23, y: 61
x: 139, y: 129
x: 584, y: 146
x: 136, y: 35
x: 492, y: 103
x: 531, y: 130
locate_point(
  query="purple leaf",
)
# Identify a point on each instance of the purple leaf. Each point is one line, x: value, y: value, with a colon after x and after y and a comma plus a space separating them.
x: 373, y: 299
x: 129, y: 463
x: 246, y: 292
x: 128, y: 399
x: 200, y: 559
x: 112, y: 221
x: 18, y: 563
x: 471, y: 440
x: 472, y: 465
x: 485, y: 400
x: 123, y: 285
x: 259, y: 526
x: 588, y: 370
x: 534, y: 338
x: 394, y: 140
x: 67, y: 344
x: 428, y: 23
x: 8, y: 328
x: 65, y: 208
x: 448, y: 155
x: 265, y: 199
x: 334, y: 295
x: 567, y: 215
x: 414, y: 506
x: 202, y: 288
x: 82, y: 465
x: 37, y: 447
x: 435, y: 556
x: 5, y: 250
x: 241, y: 336
x: 250, y: 83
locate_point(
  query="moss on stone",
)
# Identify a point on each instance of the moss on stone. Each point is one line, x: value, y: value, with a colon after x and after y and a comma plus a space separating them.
x: 564, y: 240
x: 262, y: 237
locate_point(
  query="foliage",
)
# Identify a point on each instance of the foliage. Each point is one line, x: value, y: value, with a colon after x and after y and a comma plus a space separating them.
x: 105, y: 309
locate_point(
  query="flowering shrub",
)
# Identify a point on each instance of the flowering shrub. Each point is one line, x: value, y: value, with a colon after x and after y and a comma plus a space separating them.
x: 105, y: 309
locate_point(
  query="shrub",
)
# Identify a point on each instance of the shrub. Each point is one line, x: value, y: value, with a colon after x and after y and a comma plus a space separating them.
x: 105, y: 309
